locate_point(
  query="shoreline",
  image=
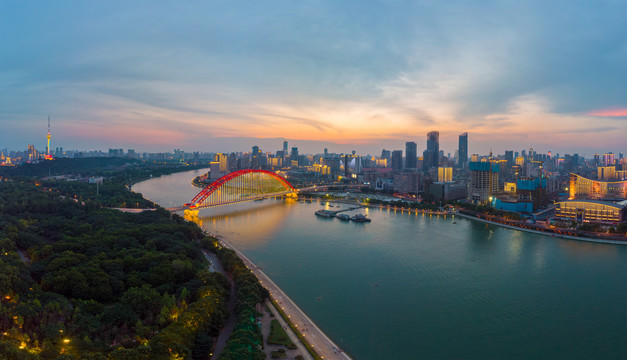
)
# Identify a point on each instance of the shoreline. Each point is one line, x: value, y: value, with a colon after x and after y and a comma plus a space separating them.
x: 548, y: 234
x: 326, y: 348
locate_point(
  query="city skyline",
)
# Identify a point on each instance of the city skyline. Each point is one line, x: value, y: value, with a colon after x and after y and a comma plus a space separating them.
x: 351, y: 76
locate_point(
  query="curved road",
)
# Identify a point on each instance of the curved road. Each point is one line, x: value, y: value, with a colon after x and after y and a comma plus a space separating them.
x: 321, y: 343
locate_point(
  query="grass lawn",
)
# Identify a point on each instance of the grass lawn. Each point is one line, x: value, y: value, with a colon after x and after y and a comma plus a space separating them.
x: 278, y: 336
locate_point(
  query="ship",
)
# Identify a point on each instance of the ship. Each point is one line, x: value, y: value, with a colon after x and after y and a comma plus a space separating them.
x: 360, y: 218
x: 325, y: 213
x: 343, y: 217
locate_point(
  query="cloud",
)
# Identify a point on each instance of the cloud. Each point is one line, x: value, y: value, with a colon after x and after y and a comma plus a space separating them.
x: 352, y: 71
x: 609, y: 113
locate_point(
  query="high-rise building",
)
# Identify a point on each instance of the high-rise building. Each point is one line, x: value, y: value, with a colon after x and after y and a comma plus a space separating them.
x: 597, y: 160
x: 463, y: 150
x: 445, y: 174
x: 222, y: 160
x: 397, y: 159
x: 411, y: 155
x: 255, y: 158
x: 484, y: 182
x: 608, y: 159
x: 431, y: 156
x: 387, y: 156
x: 509, y: 156
x: 32, y: 153
x: 294, y: 159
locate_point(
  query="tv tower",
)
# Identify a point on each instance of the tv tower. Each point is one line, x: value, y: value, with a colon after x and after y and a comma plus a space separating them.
x: 48, y: 156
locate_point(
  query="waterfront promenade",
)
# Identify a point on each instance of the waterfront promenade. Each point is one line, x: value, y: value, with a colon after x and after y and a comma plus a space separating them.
x: 546, y: 232
x: 321, y: 343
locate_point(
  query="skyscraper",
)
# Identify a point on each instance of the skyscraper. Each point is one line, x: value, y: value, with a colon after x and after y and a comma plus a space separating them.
x: 509, y: 156
x: 397, y: 159
x: 255, y: 158
x: 463, y: 150
x: 431, y: 156
x: 294, y: 157
x: 411, y: 155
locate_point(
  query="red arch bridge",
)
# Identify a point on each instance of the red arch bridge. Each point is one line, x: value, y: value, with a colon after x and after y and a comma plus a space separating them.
x: 240, y: 186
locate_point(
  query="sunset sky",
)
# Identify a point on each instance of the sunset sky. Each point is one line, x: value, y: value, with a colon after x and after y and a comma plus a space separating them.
x: 363, y: 75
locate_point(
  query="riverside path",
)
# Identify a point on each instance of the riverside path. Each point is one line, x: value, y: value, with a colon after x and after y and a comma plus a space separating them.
x: 321, y: 343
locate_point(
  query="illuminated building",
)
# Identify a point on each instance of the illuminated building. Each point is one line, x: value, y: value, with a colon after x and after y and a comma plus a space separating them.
x: 474, y: 157
x: 583, y: 188
x: 381, y: 162
x: 275, y: 162
x: 608, y: 159
x: 590, y: 211
x: 520, y: 161
x: 609, y: 173
x: 445, y: 174
x: 223, y: 160
x: 510, y: 187
x: 387, y: 155
x: 320, y: 169
x: 484, y: 182
x: 411, y: 150
x: 32, y: 153
x: 463, y: 150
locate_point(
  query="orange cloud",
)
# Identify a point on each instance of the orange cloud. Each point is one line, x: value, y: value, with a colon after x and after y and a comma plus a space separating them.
x: 609, y: 112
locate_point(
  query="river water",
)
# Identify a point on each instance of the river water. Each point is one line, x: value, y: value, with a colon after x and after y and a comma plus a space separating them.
x: 409, y: 286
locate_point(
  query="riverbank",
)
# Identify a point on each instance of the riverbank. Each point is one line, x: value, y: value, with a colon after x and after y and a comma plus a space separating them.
x: 545, y: 233
x: 308, y: 331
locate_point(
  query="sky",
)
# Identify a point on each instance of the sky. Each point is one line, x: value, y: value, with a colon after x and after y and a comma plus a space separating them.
x: 346, y: 75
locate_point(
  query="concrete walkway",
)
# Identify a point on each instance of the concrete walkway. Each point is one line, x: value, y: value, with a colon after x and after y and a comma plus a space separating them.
x: 265, y: 329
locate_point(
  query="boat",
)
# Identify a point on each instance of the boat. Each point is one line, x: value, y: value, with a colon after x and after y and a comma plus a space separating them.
x: 360, y: 218
x: 325, y: 213
x: 343, y: 217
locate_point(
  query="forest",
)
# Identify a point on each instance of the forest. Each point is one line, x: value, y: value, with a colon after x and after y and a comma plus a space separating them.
x: 81, y: 281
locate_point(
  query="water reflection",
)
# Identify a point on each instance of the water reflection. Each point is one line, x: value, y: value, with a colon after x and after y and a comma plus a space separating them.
x: 584, y: 250
x: 249, y: 224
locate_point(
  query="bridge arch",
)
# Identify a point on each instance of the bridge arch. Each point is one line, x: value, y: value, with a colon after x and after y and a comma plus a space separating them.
x: 239, y: 186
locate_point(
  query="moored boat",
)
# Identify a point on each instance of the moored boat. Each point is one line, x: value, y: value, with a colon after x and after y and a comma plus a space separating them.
x: 360, y: 218
x: 325, y: 213
x: 344, y: 217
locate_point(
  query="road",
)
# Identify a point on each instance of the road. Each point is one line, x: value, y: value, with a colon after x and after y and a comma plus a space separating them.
x: 315, y: 337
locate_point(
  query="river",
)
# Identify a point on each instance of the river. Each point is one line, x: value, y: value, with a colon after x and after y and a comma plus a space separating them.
x: 411, y: 286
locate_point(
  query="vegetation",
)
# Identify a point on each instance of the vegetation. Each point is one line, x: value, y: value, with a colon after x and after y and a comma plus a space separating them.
x: 278, y: 336
x: 485, y: 209
x: 77, y: 279
x: 300, y: 336
x: 279, y: 354
x: 246, y: 341
x: 123, y: 170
